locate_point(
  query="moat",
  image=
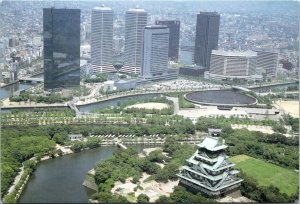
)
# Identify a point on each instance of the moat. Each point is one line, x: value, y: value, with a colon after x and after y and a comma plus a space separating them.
x: 60, y: 180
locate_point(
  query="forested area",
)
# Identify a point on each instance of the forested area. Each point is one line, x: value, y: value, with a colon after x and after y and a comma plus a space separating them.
x: 17, y: 146
x: 127, y: 163
x: 51, y: 98
x: 275, y: 148
x: 21, y: 143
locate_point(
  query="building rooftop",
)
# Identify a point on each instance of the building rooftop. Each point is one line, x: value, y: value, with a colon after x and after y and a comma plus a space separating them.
x: 156, y: 27
x: 103, y: 8
x: 212, y: 144
x: 209, y: 13
x: 136, y: 9
x: 234, y: 53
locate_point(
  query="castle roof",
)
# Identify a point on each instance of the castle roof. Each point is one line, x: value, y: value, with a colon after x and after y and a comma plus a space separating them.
x: 212, y: 144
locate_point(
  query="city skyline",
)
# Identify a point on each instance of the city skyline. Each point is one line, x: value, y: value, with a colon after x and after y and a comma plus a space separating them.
x: 149, y: 101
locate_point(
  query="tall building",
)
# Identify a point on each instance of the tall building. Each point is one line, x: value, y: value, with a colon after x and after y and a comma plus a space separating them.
x: 135, y: 22
x: 155, y: 51
x: 174, y: 35
x: 61, y: 32
x: 229, y: 65
x: 268, y: 61
x: 102, y: 39
x: 207, y: 35
x: 209, y: 170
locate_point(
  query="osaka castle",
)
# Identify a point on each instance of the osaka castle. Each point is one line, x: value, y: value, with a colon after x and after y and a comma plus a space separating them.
x: 209, y: 171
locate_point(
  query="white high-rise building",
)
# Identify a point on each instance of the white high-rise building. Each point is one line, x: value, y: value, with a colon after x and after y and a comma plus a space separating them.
x: 135, y: 22
x: 102, y: 39
x: 155, y: 51
x: 267, y: 60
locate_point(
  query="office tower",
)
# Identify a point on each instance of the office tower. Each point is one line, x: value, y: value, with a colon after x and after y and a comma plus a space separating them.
x: 61, y: 32
x: 232, y: 64
x: 268, y: 61
x: 135, y: 22
x: 207, y: 35
x: 174, y: 35
x: 102, y: 39
x: 155, y: 51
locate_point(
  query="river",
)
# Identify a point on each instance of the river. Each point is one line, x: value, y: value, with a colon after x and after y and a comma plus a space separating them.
x: 7, y: 91
x: 60, y: 180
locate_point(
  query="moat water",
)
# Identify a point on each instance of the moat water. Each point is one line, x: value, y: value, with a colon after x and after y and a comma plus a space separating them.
x: 60, y: 180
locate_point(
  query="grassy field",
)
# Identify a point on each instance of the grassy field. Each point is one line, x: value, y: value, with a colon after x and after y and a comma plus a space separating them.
x: 266, y: 174
x: 182, y: 102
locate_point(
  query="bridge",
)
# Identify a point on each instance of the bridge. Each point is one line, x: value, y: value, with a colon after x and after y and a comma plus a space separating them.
x: 241, y: 88
x: 119, y: 144
x: 31, y: 80
x: 272, y: 84
x: 73, y: 107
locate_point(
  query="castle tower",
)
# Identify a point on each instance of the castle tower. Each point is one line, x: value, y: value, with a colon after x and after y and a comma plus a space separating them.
x: 209, y: 171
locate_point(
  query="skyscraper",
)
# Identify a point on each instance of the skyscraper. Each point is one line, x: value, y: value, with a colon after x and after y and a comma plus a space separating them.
x: 155, y: 51
x: 207, y: 35
x: 135, y: 22
x: 174, y: 35
x: 102, y: 39
x: 61, y: 31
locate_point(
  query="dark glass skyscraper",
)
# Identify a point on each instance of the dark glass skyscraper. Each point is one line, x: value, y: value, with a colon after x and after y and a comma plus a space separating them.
x: 174, y: 35
x: 61, y: 29
x: 207, y: 35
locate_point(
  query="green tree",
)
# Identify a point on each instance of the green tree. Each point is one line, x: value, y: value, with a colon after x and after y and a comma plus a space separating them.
x: 60, y: 137
x: 143, y: 198
x: 164, y: 199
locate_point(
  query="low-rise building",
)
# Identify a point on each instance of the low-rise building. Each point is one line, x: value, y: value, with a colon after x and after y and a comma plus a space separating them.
x: 232, y: 65
x: 73, y: 137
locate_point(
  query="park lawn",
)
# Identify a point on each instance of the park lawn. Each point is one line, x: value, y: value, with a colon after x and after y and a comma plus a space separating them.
x: 286, y: 180
x: 183, y: 103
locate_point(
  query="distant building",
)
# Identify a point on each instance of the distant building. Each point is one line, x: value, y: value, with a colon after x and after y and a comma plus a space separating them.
x: 230, y: 65
x: 73, y: 137
x: 109, y: 86
x: 209, y: 170
x: 192, y: 70
x: 102, y: 39
x: 187, y: 54
x: 125, y: 84
x: 135, y: 22
x: 268, y: 61
x: 174, y: 36
x: 155, y: 51
x: 207, y: 36
x: 61, y: 32
x: 13, y: 42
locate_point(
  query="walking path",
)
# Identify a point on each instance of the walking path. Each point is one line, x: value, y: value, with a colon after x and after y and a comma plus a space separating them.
x: 176, y: 104
x: 16, y: 181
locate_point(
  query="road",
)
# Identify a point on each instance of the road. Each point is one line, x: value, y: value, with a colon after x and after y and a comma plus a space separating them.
x: 176, y: 104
